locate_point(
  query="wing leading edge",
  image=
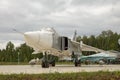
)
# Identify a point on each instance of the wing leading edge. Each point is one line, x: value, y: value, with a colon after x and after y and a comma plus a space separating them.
x: 83, y: 47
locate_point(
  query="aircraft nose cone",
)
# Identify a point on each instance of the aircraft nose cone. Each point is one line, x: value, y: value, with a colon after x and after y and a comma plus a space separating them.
x: 31, y: 37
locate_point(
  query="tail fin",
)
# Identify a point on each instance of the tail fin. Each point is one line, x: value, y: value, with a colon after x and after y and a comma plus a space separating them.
x: 75, y: 36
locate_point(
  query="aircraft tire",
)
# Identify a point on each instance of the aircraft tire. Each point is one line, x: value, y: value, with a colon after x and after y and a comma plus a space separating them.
x: 45, y: 64
x: 76, y: 64
x: 53, y: 63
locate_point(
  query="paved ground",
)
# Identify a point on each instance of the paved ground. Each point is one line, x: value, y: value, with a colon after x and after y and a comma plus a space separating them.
x: 8, y: 69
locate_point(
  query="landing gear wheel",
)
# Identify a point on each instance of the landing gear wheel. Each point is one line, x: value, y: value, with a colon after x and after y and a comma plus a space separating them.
x: 53, y: 63
x: 77, y: 63
x: 45, y: 64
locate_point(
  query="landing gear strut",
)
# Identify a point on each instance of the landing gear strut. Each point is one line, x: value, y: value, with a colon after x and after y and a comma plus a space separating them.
x: 45, y: 63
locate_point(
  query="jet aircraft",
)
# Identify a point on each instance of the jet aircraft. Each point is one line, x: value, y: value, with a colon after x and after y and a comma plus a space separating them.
x: 48, y: 41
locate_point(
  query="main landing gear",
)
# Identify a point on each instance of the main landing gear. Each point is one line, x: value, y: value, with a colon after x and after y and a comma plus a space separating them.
x: 77, y: 62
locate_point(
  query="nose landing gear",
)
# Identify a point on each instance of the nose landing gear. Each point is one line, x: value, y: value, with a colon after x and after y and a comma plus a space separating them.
x: 46, y: 62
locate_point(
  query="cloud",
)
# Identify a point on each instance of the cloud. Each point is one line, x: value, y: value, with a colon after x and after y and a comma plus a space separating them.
x: 85, y: 16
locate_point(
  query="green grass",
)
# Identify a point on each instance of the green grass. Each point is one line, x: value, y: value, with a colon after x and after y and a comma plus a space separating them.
x: 100, y: 75
x: 27, y: 63
x: 13, y: 63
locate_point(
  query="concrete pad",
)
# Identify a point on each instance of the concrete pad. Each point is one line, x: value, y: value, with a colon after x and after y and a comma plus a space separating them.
x: 36, y: 69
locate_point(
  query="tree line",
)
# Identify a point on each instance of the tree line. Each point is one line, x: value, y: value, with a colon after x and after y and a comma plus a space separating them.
x: 107, y: 40
x: 11, y: 53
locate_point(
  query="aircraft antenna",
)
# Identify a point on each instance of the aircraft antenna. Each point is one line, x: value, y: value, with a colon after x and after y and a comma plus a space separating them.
x: 18, y: 31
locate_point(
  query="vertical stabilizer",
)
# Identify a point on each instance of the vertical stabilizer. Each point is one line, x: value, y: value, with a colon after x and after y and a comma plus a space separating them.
x: 75, y: 36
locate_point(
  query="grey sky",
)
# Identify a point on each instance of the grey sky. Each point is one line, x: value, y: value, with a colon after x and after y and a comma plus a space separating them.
x: 86, y: 16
